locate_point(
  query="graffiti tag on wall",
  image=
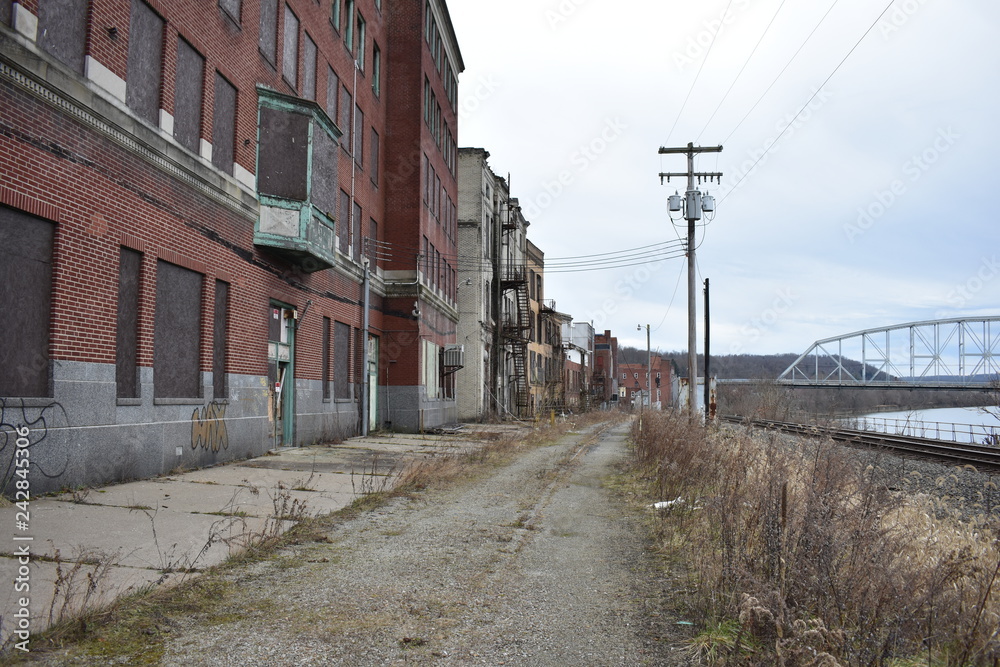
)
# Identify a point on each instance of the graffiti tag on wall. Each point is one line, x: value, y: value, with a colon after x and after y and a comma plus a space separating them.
x: 30, y: 425
x: 208, y: 427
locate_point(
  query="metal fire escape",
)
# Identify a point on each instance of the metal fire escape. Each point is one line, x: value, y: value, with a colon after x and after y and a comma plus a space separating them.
x: 516, y: 325
x: 515, y: 334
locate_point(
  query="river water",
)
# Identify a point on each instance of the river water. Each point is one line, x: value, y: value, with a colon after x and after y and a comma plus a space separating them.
x: 957, y: 424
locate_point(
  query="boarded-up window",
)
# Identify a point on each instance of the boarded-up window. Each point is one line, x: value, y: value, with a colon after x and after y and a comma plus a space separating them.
x: 324, y: 171
x: 187, y: 101
x: 356, y: 232
x: 267, y: 42
x: 346, y: 105
x: 327, y: 358
x: 25, y: 301
x: 290, y: 49
x: 127, y: 348
x: 176, y: 337
x: 223, y: 124
x: 309, y: 69
x: 232, y: 8
x: 62, y: 29
x: 359, y: 136
x: 332, y: 89
x: 376, y: 70
x: 220, y: 343
x: 145, y: 62
x: 342, y: 359
x: 344, y: 223
x: 284, y: 151
x: 373, y: 168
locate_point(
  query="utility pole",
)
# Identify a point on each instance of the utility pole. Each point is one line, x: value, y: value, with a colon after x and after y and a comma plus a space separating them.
x: 708, y: 375
x: 649, y: 378
x: 693, y: 204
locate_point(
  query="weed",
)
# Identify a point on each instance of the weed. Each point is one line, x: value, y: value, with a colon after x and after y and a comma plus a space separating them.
x: 813, y: 554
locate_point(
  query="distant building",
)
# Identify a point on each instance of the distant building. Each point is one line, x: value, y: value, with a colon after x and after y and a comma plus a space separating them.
x: 635, y: 381
x: 482, y: 204
x: 605, y: 368
x: 578, y: 344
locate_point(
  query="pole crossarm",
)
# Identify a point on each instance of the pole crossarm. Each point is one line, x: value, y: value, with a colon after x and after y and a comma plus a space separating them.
x: 690, y: 148
x: 950, y: 353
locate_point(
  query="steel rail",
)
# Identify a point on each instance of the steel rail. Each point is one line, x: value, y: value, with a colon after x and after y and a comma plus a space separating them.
x: 979, y: 456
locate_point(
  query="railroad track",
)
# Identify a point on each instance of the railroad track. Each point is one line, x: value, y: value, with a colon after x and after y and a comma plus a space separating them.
x: 979, y: 456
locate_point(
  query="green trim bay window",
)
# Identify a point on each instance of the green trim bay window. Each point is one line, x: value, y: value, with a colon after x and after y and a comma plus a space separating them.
x: 296, y: 180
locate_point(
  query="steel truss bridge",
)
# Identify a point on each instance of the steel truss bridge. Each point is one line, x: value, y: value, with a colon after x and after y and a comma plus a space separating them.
x: 959, y: 353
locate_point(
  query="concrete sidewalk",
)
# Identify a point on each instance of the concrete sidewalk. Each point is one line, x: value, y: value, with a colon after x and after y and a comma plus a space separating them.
x: 86, y: 548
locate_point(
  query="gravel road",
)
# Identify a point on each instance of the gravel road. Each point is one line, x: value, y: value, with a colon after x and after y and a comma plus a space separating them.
x: 536, y: 563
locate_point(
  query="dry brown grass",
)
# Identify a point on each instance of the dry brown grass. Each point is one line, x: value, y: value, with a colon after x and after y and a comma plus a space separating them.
x: 813, y: 557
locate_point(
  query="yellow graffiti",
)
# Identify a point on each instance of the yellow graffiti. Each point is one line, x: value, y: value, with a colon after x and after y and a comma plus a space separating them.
x: 208, y: 427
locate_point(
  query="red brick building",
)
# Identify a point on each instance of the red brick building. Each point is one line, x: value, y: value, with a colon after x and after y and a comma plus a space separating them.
x: 633, y: 379
x: 190, y: 193
x: 605, y: 368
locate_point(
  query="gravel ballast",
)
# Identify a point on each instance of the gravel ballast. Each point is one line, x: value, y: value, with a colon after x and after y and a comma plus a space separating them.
x: 535, y: 563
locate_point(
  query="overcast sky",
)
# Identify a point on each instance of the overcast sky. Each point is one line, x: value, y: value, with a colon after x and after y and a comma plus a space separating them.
x: 875, y: 206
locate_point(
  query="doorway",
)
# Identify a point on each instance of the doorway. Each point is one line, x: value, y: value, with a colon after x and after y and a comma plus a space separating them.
x: 281, y: 373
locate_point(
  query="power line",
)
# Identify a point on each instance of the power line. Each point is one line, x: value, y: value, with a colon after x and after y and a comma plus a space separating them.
x: 696, y: 76
x: 740, y: 73
x: 787, y: 64
x: 808, y: 102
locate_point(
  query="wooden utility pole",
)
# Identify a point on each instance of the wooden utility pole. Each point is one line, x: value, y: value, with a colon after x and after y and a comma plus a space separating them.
x: 694, y: 205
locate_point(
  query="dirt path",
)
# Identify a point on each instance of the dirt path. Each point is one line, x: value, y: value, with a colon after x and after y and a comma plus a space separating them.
x: 535, y: 563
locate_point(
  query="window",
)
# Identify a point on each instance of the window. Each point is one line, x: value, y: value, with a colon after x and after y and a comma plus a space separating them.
x: 360, y: 52
x: 187, y: 100
x: 127, y: 335
x: 26, y: 302
x: 290, y: 49
x: 636, y: 375
x: 177, y: 332
x: 344, y: 223
x: 309, y: 69
x: 145, y: 62
x: 359, y: 136
x: 376, y: 70
x: 232, y: 9
x: 327, y: 349
x: 349, y: 25
x: 341, y: 360
x: 224, y: 124
x: 62, y: 30
x: 335, y: 14
x: 346, y: 106
x: 220, y: 332
x: 374, y: 165
x: 268, y: 40
x: 332, y: 89
x: 356, y: 232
